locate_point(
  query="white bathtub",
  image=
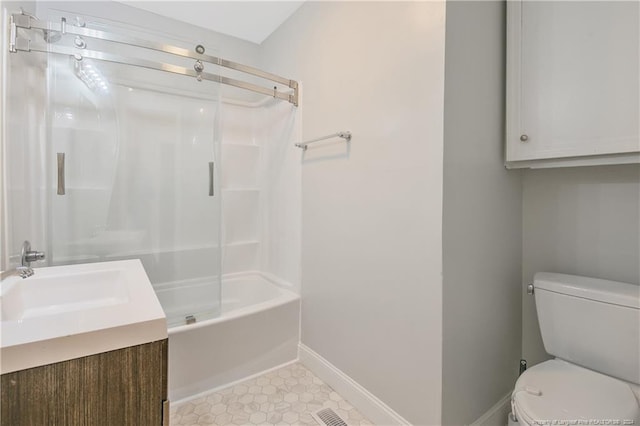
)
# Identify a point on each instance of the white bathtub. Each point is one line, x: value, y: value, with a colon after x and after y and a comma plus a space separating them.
x: 258, y: 329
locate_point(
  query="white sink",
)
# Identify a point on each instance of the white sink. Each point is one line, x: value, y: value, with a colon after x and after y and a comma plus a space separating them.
x: 49, y: 294
x: 67, y: 312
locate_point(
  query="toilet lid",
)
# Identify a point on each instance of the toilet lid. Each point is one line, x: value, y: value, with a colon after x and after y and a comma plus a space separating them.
x: 557, y: 390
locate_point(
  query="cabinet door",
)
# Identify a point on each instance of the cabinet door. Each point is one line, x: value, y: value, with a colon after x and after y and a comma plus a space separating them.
x: 573, y: 85
x: 125, y: 387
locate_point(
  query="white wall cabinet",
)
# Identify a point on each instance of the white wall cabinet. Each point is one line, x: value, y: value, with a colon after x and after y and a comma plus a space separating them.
x: 573, y: 83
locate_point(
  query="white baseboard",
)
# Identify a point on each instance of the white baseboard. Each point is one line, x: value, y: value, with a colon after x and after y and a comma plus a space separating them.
x: 496, y: 415
x: 363, y: 400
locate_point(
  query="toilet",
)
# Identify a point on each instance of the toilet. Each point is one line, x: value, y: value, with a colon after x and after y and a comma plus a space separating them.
x: 592, y: 329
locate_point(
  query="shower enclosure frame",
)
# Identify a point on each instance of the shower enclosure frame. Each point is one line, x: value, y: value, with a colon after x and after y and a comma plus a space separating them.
x: 26, y: 21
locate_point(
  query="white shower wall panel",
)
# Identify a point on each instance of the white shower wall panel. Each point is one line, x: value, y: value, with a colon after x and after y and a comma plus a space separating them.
x: 260, y: 174
x: 282, y: 208
x: 240, y: 165
x: 241, y: 209
x: 241, y: 175
x: 241, y: 123
x: 241, y: 257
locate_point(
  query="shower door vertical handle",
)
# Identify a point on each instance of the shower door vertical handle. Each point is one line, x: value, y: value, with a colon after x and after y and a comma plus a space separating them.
x: 61, y: 184
x: 211, y: 190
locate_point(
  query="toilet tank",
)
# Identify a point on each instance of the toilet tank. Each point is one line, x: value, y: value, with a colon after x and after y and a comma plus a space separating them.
x: 590, y: 322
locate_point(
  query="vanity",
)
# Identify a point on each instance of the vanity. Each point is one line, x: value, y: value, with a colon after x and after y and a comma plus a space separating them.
x: 83, y: 345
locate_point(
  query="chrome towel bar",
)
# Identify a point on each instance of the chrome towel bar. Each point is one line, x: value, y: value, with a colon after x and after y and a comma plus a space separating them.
x: 344, y: 135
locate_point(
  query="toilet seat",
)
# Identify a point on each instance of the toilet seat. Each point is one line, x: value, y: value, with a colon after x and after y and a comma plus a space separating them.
x: 558, y: 392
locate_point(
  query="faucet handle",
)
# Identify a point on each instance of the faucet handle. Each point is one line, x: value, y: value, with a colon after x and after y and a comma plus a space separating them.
x: 24, y: 272
x: 21, y: 271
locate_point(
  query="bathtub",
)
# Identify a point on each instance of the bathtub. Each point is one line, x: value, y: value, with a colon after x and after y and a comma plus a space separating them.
x: 257, y: 330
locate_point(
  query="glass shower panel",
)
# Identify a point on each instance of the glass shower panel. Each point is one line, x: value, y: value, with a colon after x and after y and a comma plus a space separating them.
x: 139, y: 152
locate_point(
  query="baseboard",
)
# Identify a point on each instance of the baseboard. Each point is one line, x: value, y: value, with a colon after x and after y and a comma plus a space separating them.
x: 496, y: 415
x: 367, y: 403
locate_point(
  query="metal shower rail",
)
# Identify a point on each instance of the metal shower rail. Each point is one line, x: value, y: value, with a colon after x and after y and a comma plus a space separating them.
x: 25, y: 21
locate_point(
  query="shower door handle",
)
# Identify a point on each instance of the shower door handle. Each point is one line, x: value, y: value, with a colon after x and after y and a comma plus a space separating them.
x: 61, y: 184
x: 211, y: 190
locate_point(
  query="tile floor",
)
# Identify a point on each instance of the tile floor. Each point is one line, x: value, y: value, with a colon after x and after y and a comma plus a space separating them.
x: 286, y: 396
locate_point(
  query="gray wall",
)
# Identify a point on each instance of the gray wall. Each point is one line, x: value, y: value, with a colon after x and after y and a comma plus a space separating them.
x: 481, y: 219
x: 582, y: 221
x: 372, y: 211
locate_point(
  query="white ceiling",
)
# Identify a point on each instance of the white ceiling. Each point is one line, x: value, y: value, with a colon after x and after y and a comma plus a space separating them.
x: 249, y: 20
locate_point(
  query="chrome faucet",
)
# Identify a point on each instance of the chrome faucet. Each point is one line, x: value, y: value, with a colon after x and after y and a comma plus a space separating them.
x: 24, y: 270
x: 29, y: 255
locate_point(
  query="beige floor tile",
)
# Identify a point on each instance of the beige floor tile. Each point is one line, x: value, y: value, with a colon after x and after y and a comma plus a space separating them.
x: 283, y: 397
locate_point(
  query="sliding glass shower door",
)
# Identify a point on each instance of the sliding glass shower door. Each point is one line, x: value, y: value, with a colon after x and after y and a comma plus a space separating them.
x: 132, y: 159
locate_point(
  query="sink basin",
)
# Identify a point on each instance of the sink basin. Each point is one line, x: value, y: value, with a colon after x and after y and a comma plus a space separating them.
x: 49, y: 294
x: 67, y: 312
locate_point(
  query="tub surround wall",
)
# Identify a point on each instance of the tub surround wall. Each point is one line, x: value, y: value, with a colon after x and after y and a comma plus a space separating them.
x: 482, y: 219
x: 261, y: 189
x: 580, y: 221
x: 242, y: 193
x: 281, y: 215
x: 372, y: 210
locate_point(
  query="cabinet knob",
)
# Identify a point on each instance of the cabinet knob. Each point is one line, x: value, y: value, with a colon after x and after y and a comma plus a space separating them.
x: 524, y: 138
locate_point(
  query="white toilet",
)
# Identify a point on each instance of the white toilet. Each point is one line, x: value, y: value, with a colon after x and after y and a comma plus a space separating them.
x: 592, y: 328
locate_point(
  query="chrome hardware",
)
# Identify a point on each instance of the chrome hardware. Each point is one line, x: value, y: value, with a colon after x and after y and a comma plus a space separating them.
x: 200, y: 49
x: 530, y: 289
x: 198, y: 67
x: 19, y: 20
x: 13, y: 34
x: 344, y: 135
x: 294, y: 98
x: 61, y: 184
x: 62, y: 27
x: 79, y: 42
x: 211, y: 187
x: 21, y: 271
x: 29, y: 255
x: 523, y: 366
x: 524, y: 138
x: 190, y: 319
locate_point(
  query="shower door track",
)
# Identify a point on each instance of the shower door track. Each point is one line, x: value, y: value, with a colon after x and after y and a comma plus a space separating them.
x: 28, y: 22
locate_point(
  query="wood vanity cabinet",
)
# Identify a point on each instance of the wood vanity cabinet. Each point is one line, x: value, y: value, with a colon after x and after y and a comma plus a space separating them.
x: 121, y: 387
x: 573, y: 83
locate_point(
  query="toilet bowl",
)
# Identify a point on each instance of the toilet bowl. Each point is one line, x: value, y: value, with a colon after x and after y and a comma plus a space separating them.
x: 592, y: 327
x: 557, y: 392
